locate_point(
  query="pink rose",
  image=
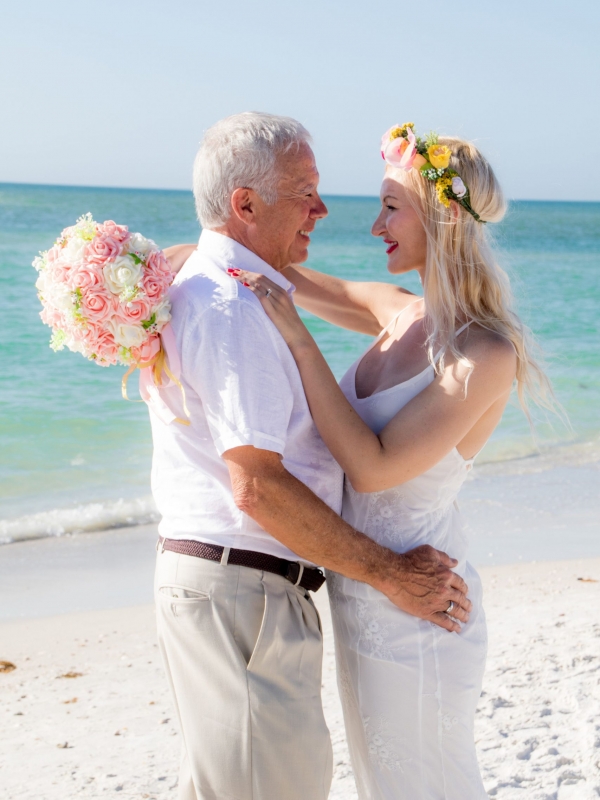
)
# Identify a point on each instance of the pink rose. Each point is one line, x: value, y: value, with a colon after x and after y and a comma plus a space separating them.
x: 103, y: 345
x: 117, y: 232
x: 97, y: 305
x: 401, y: 152
x: 137, y: 310
x: 59, y: 272
x: 85, y: 276
x: 157, y: 275
x: 103, y: 248
x: 157, y: 264
x: 51, y: 316
x: 53, y: 254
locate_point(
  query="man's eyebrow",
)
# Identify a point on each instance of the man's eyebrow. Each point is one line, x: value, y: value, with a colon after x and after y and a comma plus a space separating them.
x: 305, y: 187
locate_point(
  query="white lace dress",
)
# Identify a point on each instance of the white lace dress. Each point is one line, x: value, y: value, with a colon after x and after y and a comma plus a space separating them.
x: 409, y: 688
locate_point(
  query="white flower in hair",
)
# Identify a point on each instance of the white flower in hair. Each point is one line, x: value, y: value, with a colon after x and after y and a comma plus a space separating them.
x: 458, y: 187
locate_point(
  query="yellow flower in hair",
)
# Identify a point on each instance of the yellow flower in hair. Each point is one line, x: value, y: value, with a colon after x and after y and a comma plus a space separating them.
x: 441, y: 187
x: 439, y: 155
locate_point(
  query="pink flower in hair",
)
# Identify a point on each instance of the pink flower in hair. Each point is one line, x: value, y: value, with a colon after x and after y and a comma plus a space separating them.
x: 400, y: 152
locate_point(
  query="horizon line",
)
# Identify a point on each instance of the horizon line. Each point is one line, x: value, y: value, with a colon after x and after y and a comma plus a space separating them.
x: 189, y: 191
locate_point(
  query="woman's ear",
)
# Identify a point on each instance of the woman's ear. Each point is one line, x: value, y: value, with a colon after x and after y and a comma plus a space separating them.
x: 454, y: 211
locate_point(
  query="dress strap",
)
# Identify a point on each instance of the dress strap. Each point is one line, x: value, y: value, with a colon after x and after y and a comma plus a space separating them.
x: 458, y: 332
x: 391, y: 324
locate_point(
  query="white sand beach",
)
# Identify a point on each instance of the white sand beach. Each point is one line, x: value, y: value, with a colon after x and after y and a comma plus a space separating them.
x: 86, y: 711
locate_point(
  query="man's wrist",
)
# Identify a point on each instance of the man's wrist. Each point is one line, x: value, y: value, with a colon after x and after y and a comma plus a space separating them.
x: 388, y: 572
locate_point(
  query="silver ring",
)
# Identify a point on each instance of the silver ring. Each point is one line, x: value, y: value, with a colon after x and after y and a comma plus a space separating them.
x: 450, y: 608
x: 268, y: 292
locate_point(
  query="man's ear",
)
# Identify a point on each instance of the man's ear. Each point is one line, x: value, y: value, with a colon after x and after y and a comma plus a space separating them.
x: 244, y: 204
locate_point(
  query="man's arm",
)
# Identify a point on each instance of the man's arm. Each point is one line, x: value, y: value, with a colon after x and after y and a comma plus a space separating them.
x: 419, y: 582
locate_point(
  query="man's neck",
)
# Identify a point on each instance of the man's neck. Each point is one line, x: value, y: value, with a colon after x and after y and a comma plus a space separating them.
x: 240, y: 236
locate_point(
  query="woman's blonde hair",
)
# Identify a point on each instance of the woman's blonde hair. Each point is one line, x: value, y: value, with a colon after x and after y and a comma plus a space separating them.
x: 463, y: 281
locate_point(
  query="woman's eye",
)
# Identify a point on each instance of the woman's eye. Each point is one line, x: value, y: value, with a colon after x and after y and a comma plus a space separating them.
x: 391, y: 208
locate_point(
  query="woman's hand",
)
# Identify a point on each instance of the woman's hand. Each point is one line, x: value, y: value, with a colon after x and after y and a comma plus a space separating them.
x: 278, y: 306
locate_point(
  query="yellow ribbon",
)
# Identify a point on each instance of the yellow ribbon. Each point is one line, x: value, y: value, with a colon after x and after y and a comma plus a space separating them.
x: 159, y: 365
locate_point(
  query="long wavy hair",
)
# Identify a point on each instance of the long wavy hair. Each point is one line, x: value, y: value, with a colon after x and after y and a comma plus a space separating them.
x: 463, y: 281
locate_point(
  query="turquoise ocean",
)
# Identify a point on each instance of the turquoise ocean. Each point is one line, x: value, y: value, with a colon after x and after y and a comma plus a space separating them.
x: 75, y: 456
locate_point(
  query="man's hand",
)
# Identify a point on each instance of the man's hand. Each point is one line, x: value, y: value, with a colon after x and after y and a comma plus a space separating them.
x: 421, y: 583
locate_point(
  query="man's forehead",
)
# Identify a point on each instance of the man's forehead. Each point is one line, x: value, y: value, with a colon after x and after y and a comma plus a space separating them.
x: 299, y: 167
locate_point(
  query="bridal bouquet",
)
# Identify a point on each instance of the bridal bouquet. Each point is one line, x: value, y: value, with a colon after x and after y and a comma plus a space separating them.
x: 103, y: 292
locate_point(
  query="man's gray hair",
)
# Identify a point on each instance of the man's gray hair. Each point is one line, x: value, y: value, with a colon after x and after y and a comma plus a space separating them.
x: 241, y: 151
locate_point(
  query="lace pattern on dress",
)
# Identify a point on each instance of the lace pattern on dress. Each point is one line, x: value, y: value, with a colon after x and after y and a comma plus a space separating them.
x: 384, y: 744
x: 374, y: 630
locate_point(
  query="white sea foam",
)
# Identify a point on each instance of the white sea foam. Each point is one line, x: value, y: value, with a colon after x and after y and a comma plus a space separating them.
x: 98, y: 516
x: 79, y: 519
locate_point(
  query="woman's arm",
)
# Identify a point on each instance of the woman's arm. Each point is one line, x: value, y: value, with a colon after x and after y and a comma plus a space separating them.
x: 366, y: 307
x: 178, y: 254
x: 422, y: 432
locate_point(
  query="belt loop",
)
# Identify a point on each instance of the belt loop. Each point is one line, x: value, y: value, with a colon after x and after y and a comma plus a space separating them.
x: 225, y: 556
x: 300, y: 573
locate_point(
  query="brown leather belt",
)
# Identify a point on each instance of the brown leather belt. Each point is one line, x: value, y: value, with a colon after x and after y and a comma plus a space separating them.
x: 309, y: 578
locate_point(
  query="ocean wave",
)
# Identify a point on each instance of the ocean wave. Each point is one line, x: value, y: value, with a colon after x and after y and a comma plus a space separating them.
x: 99, y: 516
x: 82, y: 518
x: 528, y: 460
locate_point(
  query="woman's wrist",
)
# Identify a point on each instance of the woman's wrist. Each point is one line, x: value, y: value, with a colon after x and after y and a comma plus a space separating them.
x: 303, y: 347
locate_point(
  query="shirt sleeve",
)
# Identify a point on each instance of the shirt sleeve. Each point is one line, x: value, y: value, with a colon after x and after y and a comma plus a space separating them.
x: 232, y: 360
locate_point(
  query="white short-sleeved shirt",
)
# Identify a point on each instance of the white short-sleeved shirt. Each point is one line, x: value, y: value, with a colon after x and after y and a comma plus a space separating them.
x: 242, y: 387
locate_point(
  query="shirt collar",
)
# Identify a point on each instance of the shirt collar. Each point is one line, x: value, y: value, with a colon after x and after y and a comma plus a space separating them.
x: 229, y: 253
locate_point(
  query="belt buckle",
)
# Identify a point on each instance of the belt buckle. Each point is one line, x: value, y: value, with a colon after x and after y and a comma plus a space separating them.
x: 294, y: 572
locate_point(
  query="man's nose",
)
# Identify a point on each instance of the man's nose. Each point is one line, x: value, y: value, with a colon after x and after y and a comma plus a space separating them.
x: 319, y: 210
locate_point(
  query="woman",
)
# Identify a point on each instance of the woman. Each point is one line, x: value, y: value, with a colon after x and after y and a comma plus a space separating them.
x: 406, y: 423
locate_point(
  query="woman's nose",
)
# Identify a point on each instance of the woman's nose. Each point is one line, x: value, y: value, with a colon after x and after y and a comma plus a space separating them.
x: 378, y: 227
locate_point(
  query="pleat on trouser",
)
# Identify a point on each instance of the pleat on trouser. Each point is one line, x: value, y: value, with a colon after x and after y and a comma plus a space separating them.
x: 243, y: 651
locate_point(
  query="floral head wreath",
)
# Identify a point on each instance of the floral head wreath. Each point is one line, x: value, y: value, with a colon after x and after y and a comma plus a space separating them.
x: 401, y: 149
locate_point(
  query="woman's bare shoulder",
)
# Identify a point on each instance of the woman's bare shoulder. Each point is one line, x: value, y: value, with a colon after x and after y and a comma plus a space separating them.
x: 389, y: 301
x: 488, y: 351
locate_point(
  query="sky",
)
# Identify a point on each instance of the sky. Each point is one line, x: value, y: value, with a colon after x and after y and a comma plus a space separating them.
x: 119, y: 92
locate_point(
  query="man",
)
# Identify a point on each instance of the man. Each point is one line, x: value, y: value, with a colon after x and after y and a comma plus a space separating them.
x: 249, y: 494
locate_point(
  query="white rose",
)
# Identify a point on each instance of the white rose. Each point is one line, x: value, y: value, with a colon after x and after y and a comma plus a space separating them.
x: 127, y: 335
x: 162, y: 313
x: 41, y: 283
x: 121, y: 273
x: 458, y: 187
x: 58, y: 295
x: 74, y: 250
x: 139, y: 244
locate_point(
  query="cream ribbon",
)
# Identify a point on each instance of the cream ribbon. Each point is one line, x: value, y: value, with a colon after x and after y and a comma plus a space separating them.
x: 159, y: 364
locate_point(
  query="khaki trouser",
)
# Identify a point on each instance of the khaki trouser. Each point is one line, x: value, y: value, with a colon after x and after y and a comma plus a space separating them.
x: 243, y: 654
